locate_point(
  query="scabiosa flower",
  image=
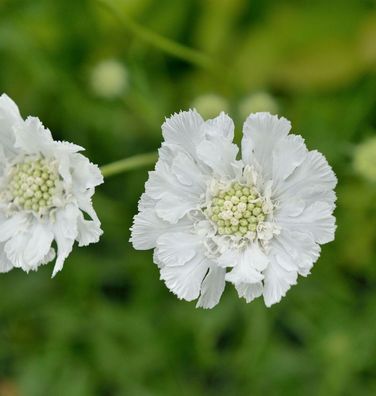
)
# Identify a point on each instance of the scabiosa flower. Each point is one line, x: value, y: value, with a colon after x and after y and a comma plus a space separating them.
x: 45, y: 194
x: 210, y: 217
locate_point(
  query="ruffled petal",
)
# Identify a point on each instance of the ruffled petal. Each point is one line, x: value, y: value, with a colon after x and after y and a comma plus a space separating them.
x: 184, y: 130
x: 287, y: 156
x: 212, y: 288
x: 218, y: 151
x: 249, y: 266
x: 188, y: 174
x: 89, y: 231
x: 85, y: 174
x: 172, y: 208
x: 314, y: 180
x: 32, y: 137
x: 177, y: 185
x: 221, y: 126
x: 145, y: 202
x: 277, y: 281
x: 66, y: 231
x: 315, y: 220
x: 147, y: 227
x: 262, y: 134
x: 220, y: 156
x: 249, y: 291
x: 9, y: 118
x: 28, y: 248
x: 12, y: 225
x: 5, y: 264
x: 298, y: 251
x: 175, y: 249
x: 185, y: 280
x: 85, y: 203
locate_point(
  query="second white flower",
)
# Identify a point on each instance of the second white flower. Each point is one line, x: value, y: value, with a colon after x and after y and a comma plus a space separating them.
x: 256, y: 222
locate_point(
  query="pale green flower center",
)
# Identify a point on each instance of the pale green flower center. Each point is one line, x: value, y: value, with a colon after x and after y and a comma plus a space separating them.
x: 236, y: 211
x: 33, y: 184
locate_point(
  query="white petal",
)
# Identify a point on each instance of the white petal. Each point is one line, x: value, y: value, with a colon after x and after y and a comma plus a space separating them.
x: 9, y: 117
x: 220, y: 155
x: 85, y: 174
x: 262, y: 133
x: 89, y: 231
x: 188, y: 174
x: 184, y: 130
x: 315, y: 220
x: 217, y: 150
x: 277, y: 282
x: 27, y: 249
x: 145, y: 202
x: 147, y: 227
x: 313, y: 180
x: 32, y: 137
x: 221, y: 126
x: 300, y: 248
x: 176, y: 248
x: 5, y: 264
x: 170, y: 185
x: 85, y: 203
x: 251, y: 262
x: 50, y: 256
x: 229, y: 258
x: 66, y: 231
x: 287, y: 156
x: 212, y: 288
x: 172, y: 207
x: 249, y: 291
x: 13, y: 225
x: 74, y: 168
x: 185, y: 280
x: 67, y: 147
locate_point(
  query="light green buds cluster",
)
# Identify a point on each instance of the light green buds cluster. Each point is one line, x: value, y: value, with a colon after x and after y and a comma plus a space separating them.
x: 236, y: 211
x: 33, y: 185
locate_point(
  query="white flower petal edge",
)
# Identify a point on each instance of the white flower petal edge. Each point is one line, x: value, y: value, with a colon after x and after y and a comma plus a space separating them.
x: 211, y: 218
x: 46, y: 188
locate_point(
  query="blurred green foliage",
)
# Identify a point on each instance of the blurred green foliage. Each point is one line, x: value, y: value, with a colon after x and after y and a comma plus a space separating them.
x: 106, y: 325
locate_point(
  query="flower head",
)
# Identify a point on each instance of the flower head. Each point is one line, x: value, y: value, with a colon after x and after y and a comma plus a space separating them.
x: 45, y: 194
x: 256, y: 222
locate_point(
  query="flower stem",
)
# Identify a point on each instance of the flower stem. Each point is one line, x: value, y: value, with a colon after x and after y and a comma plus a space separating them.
x: 127, y: 164
x: 171, y: 47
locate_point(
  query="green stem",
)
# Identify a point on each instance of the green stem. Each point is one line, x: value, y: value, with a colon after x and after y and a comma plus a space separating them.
x: 127, y: 164
x: 169, y: 46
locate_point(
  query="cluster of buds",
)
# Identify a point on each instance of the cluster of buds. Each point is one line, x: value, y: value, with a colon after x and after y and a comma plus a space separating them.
x: 237, y: 210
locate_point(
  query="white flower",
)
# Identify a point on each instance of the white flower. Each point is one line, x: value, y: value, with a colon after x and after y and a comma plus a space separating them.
x: 45, y: 194
x: 257, y: 222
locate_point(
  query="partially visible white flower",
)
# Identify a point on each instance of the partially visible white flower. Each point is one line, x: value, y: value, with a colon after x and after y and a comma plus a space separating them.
x: 257, y: 222
x: 258, y: 102
x: 209, y: 105
x: 365, y: 159
x: 109, y: 79
x: 45, y: 194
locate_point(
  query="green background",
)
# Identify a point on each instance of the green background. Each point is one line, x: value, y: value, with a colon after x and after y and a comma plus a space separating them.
x: 106, y: 325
